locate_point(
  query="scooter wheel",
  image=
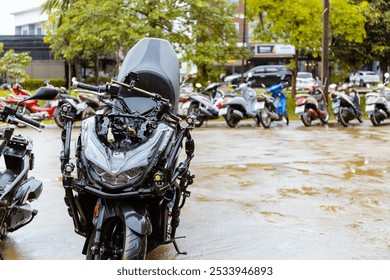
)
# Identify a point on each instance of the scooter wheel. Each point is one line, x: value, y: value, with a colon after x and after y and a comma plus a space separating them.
x: 231, y: 121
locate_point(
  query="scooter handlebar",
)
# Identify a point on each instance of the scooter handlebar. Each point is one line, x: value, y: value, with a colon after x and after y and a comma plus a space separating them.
x: 29, y: 121
x: 87, y: 86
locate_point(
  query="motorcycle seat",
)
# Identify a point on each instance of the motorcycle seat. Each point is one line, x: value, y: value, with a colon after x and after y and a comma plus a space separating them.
x: 6, y: 177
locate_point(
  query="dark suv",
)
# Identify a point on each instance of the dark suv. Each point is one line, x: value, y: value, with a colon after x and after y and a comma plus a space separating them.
x: 263, y: 74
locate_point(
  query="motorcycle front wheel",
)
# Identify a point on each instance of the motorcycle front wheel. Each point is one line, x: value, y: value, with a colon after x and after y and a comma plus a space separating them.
x: 324, y: 119
x: 57, y: 117
x: 374, y: 118
x: 231, y: 121
x: 194, y: 109
x: 117, y: 242
x: 264, y: 117
x: 342, y: 116
x: 306, y: 118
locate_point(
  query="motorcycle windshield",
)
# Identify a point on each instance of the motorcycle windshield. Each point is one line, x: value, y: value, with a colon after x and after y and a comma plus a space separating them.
x: 156, y: 63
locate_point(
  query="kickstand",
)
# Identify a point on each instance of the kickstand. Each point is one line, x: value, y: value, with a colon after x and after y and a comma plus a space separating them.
x: 177, y: 248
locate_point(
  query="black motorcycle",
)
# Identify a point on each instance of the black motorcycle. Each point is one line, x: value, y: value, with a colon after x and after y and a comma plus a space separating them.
x: 17, y: 189
x: 129, y: 186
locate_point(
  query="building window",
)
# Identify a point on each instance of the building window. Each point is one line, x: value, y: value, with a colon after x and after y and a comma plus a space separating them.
x: 39, y: 31
x: 24, y: 32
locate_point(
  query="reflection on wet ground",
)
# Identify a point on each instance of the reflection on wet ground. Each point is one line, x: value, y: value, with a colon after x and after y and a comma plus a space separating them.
x: 290, y: 192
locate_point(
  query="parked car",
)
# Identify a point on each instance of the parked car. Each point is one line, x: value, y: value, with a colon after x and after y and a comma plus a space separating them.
x: 263, y: 74
x: 305, y: 80
x: 361, y: 78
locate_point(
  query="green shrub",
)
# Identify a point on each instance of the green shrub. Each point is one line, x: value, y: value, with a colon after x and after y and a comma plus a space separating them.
x: 33, y: 84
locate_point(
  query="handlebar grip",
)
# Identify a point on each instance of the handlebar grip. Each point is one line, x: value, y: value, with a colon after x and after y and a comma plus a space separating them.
x: 29, y: 121
x: 89, y: 87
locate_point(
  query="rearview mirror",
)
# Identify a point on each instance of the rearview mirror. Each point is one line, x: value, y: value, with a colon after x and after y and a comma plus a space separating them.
x: 43, y: 93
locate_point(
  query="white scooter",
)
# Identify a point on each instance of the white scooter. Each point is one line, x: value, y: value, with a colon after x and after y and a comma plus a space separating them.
x: 378, y: 102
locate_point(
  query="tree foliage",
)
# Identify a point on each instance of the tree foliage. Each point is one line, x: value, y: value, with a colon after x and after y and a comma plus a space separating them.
x: 376, y: 45
x: 202, y: 31
x: 299, y: 23
x: 12, y: 64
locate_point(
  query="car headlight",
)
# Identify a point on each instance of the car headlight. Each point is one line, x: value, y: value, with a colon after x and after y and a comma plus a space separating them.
x: 118, y: 179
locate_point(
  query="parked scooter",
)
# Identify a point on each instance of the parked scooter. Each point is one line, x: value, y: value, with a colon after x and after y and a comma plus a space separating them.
x: 130, y: 183
x: 31, y: 107
x: 17, y: 189
x: 273, y: 105
x: 312, y: 106
x: 243, y: 106
x: 378, y: 102
x: 346, y: 104
x: 83, y: 106
x: 204, y: 105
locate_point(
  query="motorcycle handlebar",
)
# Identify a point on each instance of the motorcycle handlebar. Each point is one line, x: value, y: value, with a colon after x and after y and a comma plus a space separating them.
x: 29, y: 121
x: 88, y: 87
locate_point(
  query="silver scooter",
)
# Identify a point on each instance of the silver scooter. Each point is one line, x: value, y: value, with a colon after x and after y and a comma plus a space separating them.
x: 378, y: 102
x: 243, y: 106
x: 346, y: 104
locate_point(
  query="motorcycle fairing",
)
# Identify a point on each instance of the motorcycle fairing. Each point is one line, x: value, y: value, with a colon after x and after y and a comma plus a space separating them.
x: 135, y: 161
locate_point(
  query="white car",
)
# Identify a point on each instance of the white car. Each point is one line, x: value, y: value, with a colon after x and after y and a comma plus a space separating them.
x: 361, y: 78
x: 305, y: 80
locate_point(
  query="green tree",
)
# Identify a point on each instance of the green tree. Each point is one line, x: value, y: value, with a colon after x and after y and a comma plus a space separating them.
x: 12, y: 64
x: 299, y: 23
x: 90, y: 29
x: 376, y: 45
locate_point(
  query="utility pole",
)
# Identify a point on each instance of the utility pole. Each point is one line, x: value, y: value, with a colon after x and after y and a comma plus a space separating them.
x: 243, y: 43
x: 325, y: 46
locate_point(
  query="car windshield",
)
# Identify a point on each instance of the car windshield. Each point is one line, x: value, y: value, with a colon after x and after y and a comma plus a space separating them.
x: 305, y: 75
x: 370, y: 73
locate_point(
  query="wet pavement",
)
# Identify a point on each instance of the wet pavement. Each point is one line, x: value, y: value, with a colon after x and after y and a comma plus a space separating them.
x: 287, y: 192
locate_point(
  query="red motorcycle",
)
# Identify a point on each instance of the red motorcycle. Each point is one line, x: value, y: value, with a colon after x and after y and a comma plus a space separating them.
x: 31, y: 108
x: 312, y: 106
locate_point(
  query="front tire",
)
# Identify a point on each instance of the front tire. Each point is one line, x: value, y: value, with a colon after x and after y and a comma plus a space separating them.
x: 194, y: 109
x: 58, y: 118
x: 306, y: 118
x: 342, y: 117
x: 374, y: 119
x: 231, y: 121
x: 324, y: 119
x: 117, y: 242
x: 264, y: 117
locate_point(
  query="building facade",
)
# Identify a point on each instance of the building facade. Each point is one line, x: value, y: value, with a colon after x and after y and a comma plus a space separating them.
x: 29, y: 33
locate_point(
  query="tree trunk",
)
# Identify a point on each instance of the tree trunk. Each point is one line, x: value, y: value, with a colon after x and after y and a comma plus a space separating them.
x: 294, y: 72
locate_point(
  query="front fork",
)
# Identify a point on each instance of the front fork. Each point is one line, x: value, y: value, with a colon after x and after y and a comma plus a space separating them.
x: 67, y: 167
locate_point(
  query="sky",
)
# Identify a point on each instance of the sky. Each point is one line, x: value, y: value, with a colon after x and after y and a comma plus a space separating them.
x: 7, y: 26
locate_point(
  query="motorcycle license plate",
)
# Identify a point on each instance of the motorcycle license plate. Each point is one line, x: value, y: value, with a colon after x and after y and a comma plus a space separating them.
x: 299, y: 109
x: 259, y: 106
x: 370, y: 108
x: 222, y: 111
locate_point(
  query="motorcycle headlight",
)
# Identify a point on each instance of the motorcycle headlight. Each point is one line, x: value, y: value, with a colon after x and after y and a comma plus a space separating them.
x: 119, y: 179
